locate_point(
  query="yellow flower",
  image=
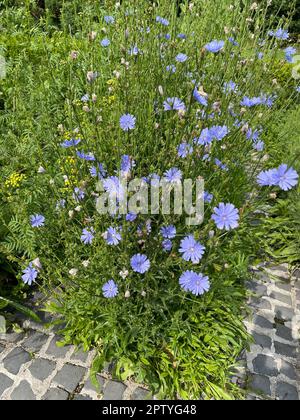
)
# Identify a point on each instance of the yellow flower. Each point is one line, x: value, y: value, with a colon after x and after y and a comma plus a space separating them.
x: 14, y: 180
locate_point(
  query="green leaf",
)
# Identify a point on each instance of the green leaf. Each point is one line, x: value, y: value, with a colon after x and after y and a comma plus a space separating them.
x: 26, y: 311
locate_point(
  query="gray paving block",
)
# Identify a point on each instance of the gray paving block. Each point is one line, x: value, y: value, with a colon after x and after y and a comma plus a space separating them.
x: 284, y: 286
x: 261, y: 384
x: 265, y: 365
x: 284, y: 314
x: 12, y: 337
x: 281, y: 298
x: 80, y: 397
x: 286, y: 392
x: 262, y: 340
x: 141, y: 394
x: 56, y: 394
x: 15, y: 359
x: 256, y: 287
x: 263, y: 322
x: 88, y: 386
x: 23, y: 392
x: 5, y: 383
x: 280, y: 271
x: 260, y: 303
x: 54, y: 350
x: 69, y: 377
x: 80, y: 355
x: 41, y: 368
x: 114, y: 390
x: 288, y: 370
x: 284, y: 332
x: 35, y: 341
x: 285, y: 350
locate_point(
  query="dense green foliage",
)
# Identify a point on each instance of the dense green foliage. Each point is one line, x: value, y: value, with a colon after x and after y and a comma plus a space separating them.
x: 180, y: 344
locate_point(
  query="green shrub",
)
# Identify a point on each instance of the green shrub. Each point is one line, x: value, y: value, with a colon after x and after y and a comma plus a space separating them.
x: 181, y: 344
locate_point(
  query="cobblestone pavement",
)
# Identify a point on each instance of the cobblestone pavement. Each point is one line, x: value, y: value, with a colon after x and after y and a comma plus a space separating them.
x: 32, y: 366
x: 273, y: 362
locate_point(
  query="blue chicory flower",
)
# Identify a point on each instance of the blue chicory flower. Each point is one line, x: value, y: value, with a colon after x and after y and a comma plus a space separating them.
x: 112, y: 236
x: 215, y: 46
x: 127, y: 122
x: 70, y: 143
x: 37, y: 220
x: 226, y: 216
x: 202, y: 100
x: 193, y: 282
x: 191, y: 249
x: 181, y: 58
x: 173, y: 175
x: 140, y: 263
x: 29, y: 275
x: 168, y: 232
x: 87, y: 236
x: 184, y: 149
x: 110, y: 289
x: 174, y: 104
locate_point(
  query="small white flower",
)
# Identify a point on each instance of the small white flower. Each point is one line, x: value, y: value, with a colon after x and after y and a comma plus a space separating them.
x: 143, y: 293
x: 85, y: 263
x: 254, y: 6
x: 73, y: 272
x: 127, y: 294
x: 37, y: 264
x: 71, y: 214
x: 78, y: 209
x: 41, y: 170
x: 124, y: 273
x: 211, y: 234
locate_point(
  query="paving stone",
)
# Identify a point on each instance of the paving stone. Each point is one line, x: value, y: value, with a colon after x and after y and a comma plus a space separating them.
x: 80, y: 355
x: 88, y: 386
x: 285, y: 349
x: 69, y: 377
x: 288, y: 370
x: 284, y: 332
x: 80, y: 397
x: 265, y: 365
x: 42, y: 368
x: 12, y: 337
x: 281, y: 298
x: 23, y: 392
x: 284, y: 286
x: 260, y: 303
x: 262, y: 340
x: 54, y: 350
x: 284, y: 314
x: 258, y: 288
x: 263, y: 322
x: 35, y: 341
x: 56, y: 394
x: 287, y: 392
x: 15, y: 359
x: 141, y: 394
x: 5, y: 383
x: 280, y: 271
x: 261, y: 383
x: 114, y: 390
x: 2, y: 348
